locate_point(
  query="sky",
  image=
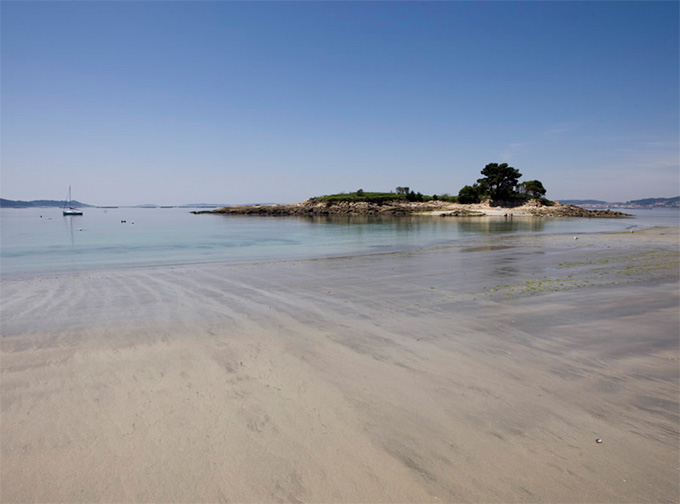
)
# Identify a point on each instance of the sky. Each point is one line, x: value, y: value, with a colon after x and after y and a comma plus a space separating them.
x: 178, y: 102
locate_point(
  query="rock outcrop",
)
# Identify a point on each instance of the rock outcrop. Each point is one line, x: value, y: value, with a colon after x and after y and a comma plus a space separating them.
x: 314, y: 207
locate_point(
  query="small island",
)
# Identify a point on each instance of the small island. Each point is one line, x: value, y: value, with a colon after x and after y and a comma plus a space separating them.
x: 499, y: 192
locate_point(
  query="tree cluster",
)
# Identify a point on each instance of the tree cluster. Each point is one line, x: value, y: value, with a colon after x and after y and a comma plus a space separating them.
x: 501, y: 183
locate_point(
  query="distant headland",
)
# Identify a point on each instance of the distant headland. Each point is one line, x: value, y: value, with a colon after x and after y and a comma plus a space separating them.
x: 39, y: 203
x: 641, y: 203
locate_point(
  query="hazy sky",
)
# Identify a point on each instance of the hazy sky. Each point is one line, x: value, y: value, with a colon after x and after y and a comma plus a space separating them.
x: 236, y: 102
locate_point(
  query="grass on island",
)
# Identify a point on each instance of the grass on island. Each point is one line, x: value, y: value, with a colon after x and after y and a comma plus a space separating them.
x: 380, y: 197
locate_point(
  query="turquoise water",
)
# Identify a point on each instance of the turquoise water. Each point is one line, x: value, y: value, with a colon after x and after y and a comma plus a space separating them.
x: 41, y: 240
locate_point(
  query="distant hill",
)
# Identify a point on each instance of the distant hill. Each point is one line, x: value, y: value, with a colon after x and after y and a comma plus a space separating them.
x: 653, y: 202
x: 39, y: 203
x: 583, y: 202
x: 641, y: 203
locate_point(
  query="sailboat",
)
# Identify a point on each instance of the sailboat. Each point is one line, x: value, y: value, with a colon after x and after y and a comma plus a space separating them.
x: 68, y: 208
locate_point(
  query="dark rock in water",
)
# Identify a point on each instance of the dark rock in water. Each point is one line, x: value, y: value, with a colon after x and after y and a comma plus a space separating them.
x: 573, y: 211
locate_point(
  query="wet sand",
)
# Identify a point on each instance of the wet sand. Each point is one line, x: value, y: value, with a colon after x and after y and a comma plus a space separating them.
x: 475, y: 373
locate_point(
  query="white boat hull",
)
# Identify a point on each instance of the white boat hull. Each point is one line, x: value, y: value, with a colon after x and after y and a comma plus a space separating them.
x: 68, y: 209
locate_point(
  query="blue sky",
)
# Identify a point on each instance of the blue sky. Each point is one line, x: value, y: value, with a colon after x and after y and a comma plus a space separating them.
x: 237, y: 102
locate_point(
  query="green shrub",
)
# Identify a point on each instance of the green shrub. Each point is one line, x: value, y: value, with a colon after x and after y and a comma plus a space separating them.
x: 470, y: 194
x: 360, y: 196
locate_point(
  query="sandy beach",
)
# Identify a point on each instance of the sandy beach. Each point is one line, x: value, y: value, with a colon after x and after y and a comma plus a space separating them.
x: 483, y: 372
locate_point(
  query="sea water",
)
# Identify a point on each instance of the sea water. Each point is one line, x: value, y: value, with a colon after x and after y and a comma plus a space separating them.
x: 42, y: 240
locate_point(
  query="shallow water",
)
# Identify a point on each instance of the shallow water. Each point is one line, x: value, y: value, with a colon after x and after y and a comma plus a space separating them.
x: 41, y: 240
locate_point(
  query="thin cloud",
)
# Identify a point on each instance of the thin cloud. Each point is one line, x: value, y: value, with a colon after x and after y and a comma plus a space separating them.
x: 513, y: 150
x: 564, y: 127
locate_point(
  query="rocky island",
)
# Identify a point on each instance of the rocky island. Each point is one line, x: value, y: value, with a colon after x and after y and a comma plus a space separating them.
x: 498, y: 192
x: 320, y: 207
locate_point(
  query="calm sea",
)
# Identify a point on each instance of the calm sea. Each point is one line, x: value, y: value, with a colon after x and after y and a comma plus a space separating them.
x: 41, y: 240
